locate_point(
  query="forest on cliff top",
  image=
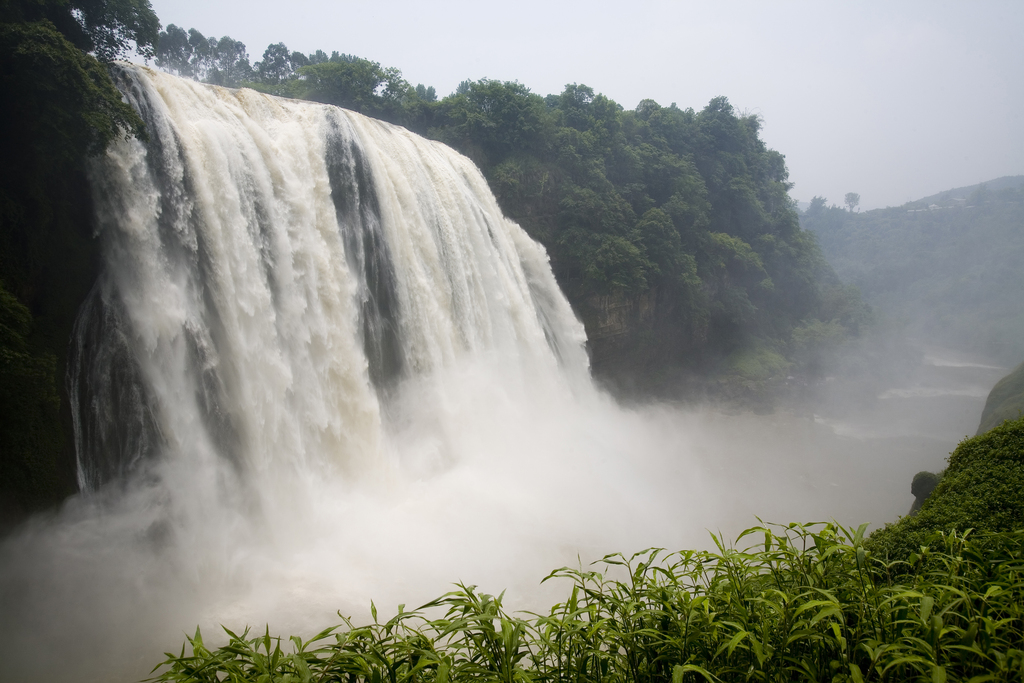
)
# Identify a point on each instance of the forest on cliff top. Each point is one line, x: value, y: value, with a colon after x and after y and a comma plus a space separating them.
x: 670, y: 230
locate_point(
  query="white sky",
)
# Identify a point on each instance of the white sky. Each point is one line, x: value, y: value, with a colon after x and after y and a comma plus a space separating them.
x: 893, y: 100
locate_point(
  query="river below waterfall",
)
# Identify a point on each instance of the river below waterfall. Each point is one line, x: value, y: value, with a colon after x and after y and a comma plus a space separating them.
x: 854, y: 460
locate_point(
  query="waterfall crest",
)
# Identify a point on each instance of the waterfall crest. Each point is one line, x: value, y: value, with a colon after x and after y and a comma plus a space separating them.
x: 276, y: 270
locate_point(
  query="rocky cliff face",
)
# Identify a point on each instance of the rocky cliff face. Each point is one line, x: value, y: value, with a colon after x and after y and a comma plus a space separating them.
x: 640, y: 346
x: 614, y: 322
x: 48, y: 264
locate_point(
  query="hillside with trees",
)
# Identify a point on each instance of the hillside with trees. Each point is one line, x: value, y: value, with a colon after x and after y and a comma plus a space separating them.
x: 1005, y: 401
x: 945, y: 268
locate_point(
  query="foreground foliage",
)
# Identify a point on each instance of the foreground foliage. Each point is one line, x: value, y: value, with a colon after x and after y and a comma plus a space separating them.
x: 807, y: 603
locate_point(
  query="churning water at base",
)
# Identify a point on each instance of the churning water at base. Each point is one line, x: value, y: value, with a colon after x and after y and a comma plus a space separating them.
x: 321, y: 368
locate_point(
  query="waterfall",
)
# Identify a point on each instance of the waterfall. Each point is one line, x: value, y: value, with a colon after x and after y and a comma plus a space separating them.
x: 318, y: 368
x: 276, y: 271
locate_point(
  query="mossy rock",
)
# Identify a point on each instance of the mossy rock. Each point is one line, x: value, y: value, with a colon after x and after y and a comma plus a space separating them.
x: 923, y: 485
x: 980, y: 490
x: 31, y: 441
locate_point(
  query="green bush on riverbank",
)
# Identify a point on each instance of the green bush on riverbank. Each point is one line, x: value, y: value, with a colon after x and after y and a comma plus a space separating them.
x: 980, y: 490
x: 806, y: 603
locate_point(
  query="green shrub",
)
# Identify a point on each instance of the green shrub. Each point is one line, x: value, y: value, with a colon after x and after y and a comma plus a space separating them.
x: 807, y: 603
x: 980, y: 490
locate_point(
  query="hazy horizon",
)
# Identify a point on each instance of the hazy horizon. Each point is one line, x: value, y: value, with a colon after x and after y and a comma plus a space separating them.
x: 894, y: 102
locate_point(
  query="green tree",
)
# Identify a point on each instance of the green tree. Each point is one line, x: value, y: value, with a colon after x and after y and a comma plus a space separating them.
x: 174, y: 53
x: 426, y: 94
x: 662, y: 243
x: 109, y: 29
x: 230, y: 65
x: 354, y: 83
x: 276, y: 65
x: 852, y: 200
x: 492, y: 120
x: 817, y: 207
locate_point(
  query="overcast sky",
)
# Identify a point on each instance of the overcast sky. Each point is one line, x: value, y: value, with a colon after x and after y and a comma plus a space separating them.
x: 893, y: 100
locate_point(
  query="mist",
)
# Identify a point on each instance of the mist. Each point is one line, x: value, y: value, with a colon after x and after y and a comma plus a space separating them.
x: 944, y: 268
x: 489, y: 481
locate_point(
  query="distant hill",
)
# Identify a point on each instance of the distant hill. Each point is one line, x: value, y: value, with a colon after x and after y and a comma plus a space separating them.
x: 950, y: 197
x: 1005, y: 401
x: 947, y: 268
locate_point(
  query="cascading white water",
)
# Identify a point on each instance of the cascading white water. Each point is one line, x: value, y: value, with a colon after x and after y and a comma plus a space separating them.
x: 308, y: 328
x: 275, y: 269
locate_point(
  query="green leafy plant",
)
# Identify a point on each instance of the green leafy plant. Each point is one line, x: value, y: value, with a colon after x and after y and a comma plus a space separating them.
x: 806, y: 603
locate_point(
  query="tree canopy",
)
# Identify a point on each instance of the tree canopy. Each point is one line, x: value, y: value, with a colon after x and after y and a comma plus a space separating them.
x: 108, y: 29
